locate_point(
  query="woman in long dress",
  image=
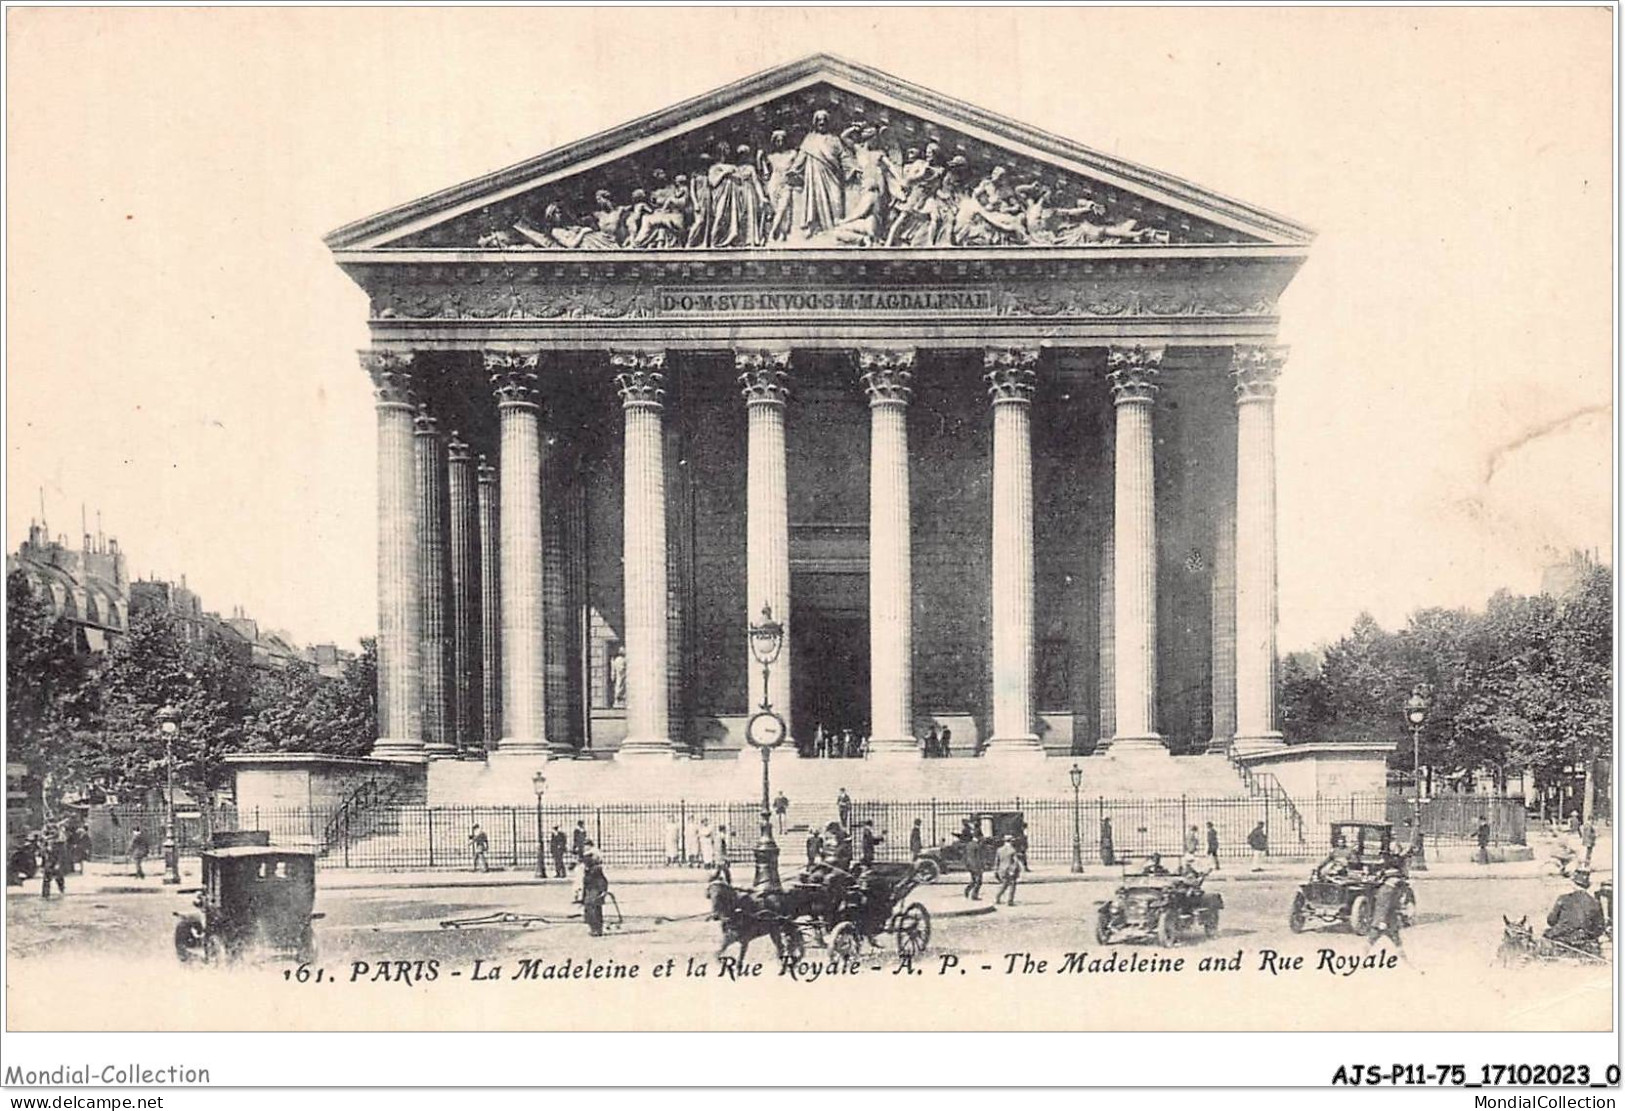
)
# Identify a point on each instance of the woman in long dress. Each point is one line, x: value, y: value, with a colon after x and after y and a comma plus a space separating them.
x: 738, y: 200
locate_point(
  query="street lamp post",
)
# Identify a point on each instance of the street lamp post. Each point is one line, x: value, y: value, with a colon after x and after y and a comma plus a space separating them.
x: 539, y: 783
x: 1077, y: 829
x: 766, y: 731
x: 172, y: 862
x: 1416, y: 713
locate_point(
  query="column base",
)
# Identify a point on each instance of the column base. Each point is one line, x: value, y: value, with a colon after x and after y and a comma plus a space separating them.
x: 1005, y: 747
x: 440, y: 752
x: 524, y: 746
x: 1220, y: 746
x: 400, y: 750
x: 649, y: 750
x: 1150, y: 744
x: 1260, y: 742
x: 892, y: 748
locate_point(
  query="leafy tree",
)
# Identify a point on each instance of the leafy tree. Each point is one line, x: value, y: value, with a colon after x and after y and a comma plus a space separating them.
x: 296, y: 710
x: 50, y: 707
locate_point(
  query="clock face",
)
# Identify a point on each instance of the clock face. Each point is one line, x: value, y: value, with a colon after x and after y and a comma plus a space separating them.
x: 765, y: 730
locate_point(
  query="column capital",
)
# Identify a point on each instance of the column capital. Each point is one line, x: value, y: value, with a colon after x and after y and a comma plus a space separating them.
x: 886, y: 373
x: 513, y: 375
x: 764, y: 376
x: 486, y: 473
x: 641, y: 377
x: 1133, y: 372
x: 391, y: 374
x: 1012, y: 374
x: 457, y: 449
x: 1254, y: 369
x: 425, y: 423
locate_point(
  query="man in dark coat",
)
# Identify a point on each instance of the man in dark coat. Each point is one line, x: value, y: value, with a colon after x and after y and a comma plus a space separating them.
x: 53, y: 858
x: 1259, y: 842
x: 138, y: 851
x: 1108, y: 851
x: 578, y: 840
x: 975, y: 864
x: 594, y: 890
x: 843, y: 808
x: 1213, y: 847
x: 867, y: 840
x: 556, y: 844
x: 1576, y: 918
x: 1483, y: 836
x: 815, y: 845
x: 916, y: 841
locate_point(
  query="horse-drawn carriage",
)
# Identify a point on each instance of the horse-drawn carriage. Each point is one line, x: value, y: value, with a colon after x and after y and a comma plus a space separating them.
x: 827, y: 907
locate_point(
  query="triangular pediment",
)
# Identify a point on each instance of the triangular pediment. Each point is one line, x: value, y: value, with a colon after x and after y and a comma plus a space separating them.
x: 819, y: 153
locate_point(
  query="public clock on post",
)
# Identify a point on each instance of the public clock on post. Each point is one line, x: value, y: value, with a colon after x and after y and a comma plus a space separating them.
x: 765, y: 730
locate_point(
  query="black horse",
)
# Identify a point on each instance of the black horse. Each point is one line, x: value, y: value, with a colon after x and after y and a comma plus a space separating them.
x: 746, y: 915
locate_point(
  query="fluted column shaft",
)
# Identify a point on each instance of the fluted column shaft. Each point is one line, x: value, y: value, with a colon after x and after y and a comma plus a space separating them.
x: 1108, y: 641
x: 435, y: 586
x: 1224, y: 621
x: 886, y: 375
x: 556, y: 600
x: 524, y: 630
x: 490, y: 609
x: 1011, y: 376
x: 463, y: 500
x: 763, y: 378
x: 640, y: 376
x: 1133, y: 372
x: 1255, y: 370
x: 400, y: 713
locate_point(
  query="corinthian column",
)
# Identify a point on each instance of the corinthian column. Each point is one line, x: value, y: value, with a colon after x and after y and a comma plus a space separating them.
x: 400, y: 714
x: 465, y: 593
x: 1133, y: 372
x: 641, y: 378
x: 1223, y: 594
x: 1011, y: 376
x: 763, y: 378
x: 434, y: 586
x: 886, y: 377
x: 490, y: 609
x: 1255, y: 370
x: 524, y: 698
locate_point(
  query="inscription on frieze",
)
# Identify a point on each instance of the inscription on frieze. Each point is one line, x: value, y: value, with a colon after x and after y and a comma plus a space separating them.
x: 700, y: 301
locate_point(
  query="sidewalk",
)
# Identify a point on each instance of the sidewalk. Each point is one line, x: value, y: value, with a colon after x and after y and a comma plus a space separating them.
x: 119, y: 879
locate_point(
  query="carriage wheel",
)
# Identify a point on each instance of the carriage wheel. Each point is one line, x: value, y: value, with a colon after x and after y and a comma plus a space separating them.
x: 844, y: 940
x: 1299, y: 913
x: 1168, y: 929
x: 1103, y: 924
x: 189, y: 939
x: 913, y: 930
x: 1360, y: 915
x: 926, y: 871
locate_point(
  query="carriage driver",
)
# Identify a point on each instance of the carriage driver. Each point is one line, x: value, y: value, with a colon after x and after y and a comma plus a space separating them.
x: 1576, y: 918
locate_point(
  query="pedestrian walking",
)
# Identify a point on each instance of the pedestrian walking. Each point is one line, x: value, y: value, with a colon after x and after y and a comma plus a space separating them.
x: 722, y: 844
x: 815, y: 845
x: 945, y: 743
x: 1588, y: 839
x: 691, y: 842
x: 594, y: 890
x: 1574, y: 823
x: 578, y: 839
x: 867, y: 840
x: 975, y: 864
x: 672, y: 836
x: 933, y: 744
x: 1386, y: 919
x: 53, y: 855
x: 781, y: 807
x: 1108, y: 851
x: 556, y: 844
x: 1193, y: 845
x: 138, y: 852
x: 1483, y: 836
x: 708, y: 844
x: 1007, y: 867
x: 843, y: 807
x: 481, y: 846
x: 1259, y: 842
x: 1212, y: 848
x: 916, y: 841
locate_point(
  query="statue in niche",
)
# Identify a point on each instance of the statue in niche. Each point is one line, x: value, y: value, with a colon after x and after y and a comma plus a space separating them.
x: 617, y: 678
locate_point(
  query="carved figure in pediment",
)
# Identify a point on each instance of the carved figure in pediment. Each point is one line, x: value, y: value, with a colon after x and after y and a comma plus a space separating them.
x: 738, y: 202
x: 667, y: 223
x: 776, y: 165
x: 558, y: 232
x: 989, y: 215
x: 1086, y: 233
x: 825, y: 164
x: 610, y: 217
x: 917, y: 213
x: 700, y: 199
x: 497, y: 240
x: 1047, y: 225
x: 878, y: 188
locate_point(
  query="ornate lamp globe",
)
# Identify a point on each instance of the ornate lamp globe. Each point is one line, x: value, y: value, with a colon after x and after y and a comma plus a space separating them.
x: 1077, y: 776
x: 1416, y: 709
x: 166, y: 719
x: 766, y: 637
x: 539, y: 783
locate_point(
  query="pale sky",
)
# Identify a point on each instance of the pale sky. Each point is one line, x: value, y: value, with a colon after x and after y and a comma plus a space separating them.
x: 181, y: 348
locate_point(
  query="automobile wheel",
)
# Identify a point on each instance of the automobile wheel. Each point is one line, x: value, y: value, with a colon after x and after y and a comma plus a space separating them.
x: 844, y: 941
x: 1168, y: 930
x: 214, y: 950
x: 1210, y: 922
x: 1296, y: 919
x: 1407, y: 908
x: 1103, y: 925
x: 189, y: 939
x: 1360, y: 915
x: 927, y: 870
x: 913, y: 930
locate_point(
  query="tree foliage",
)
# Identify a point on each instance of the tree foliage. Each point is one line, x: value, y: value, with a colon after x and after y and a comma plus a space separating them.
x: 1524, y: 685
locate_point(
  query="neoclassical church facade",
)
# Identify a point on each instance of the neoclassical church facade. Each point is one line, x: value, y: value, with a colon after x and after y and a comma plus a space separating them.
x: 983, y: 416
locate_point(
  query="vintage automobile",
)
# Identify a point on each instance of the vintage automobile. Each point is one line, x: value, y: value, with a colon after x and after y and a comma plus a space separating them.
x: 1342, y: 888
x: 255, y: 897
x: 987, y: 826
x: 1152, y: 904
